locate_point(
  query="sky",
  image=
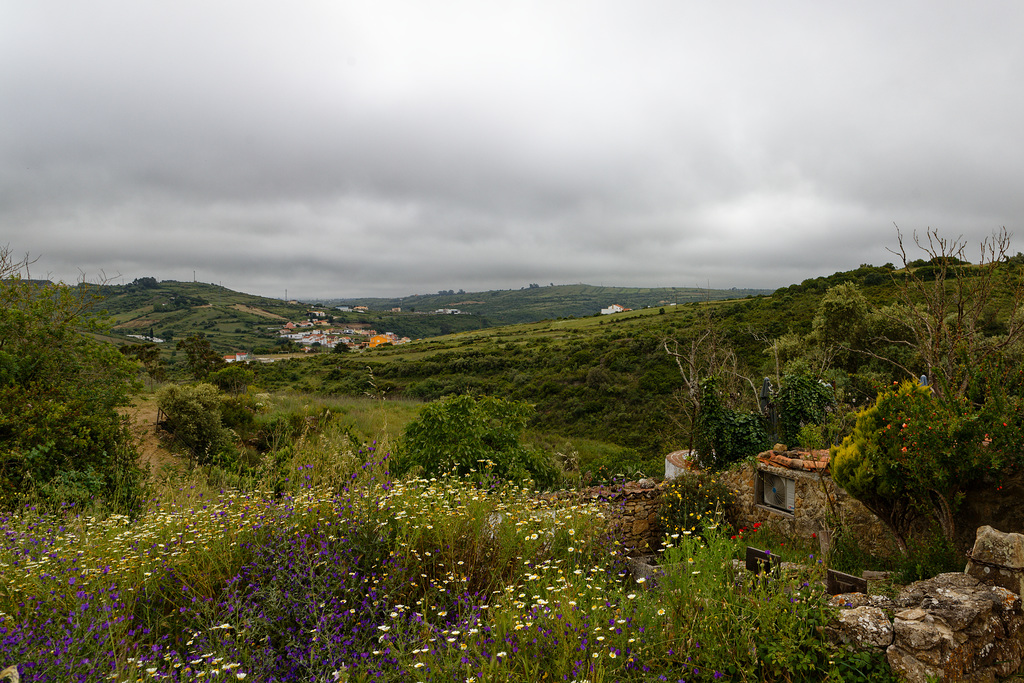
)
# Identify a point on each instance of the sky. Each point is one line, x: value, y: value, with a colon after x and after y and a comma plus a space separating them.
x: 394, y: 147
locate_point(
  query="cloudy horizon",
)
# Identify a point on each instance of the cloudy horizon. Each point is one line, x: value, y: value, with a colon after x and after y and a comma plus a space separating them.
x: 343, y: 149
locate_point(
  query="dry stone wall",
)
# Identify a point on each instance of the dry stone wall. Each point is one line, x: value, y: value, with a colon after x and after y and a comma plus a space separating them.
x: 633, y: 512
x: 948, y: 628
x: 954, y: 627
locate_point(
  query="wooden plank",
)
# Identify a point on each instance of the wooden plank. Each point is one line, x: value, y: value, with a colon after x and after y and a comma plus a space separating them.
x: 759, y: 561
x: 838, y: 582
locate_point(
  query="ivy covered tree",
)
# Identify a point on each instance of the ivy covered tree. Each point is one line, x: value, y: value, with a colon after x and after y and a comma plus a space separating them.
x: 62, y: 439
x: 725, y: 435
x: 801, y: 401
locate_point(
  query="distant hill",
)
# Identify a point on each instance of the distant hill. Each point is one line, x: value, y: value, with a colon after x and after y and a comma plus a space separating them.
x: 172, y: 310
x: 535, y: 303
x: 235, y: 321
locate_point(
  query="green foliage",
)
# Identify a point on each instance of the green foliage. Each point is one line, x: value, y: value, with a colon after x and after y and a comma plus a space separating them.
x: 463, y: 436
x: 911, y: 454
x: 757, y: 630
x: 234, y: 378
x: 61, y: 437
x: 725, y: 435
x: 842, y: 317
x: 149, y: 355
x: 694, y: 500
x: 201, y: 359
x: 194, y: 417
x: 801, y: 401
x: 928, y: 555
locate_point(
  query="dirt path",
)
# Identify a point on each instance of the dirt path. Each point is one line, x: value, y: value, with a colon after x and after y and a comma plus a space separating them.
x: 143, y: 418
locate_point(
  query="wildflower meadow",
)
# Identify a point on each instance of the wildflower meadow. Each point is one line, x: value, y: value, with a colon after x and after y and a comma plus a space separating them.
x: 349, y: 575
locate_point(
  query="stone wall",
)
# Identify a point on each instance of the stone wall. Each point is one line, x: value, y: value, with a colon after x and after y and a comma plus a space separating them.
x: 948, y: 628
x: 953, y: 627
x: 633, y: 511
x: 817, y: 499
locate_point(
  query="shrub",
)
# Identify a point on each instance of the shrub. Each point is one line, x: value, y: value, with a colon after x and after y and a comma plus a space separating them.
x: 233, y: 379
x: 193, y: 416
x: 464, y: 436
x: 911, y: 454
x: 61, y: 437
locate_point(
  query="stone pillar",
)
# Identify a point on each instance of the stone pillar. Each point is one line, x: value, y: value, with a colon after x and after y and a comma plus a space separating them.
x: 997, y: 559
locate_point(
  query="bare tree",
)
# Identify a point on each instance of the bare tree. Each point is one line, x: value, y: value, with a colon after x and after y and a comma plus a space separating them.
x: 945, y: 309
x: 705, y: 355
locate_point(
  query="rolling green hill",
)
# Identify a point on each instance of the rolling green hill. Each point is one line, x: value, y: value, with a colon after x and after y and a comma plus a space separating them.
x: 534, y: 303
x: 172, y: 310
x: 607, y: 378
x: 234, y: 321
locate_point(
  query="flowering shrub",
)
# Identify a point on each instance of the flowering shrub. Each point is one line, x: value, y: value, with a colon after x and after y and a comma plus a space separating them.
x: 911, y: 454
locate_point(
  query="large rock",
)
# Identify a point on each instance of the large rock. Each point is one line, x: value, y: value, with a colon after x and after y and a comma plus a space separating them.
x: 994, y: 547
x: 953, y: 627
x: 998, y: 559
x: 862, y: 628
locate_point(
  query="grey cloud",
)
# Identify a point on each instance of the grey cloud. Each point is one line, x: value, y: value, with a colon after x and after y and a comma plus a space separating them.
x: 388, y: 148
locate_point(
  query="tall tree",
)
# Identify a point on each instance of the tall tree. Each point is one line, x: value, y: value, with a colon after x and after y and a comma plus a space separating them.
x: 200, y: 356
x: 945, y: 305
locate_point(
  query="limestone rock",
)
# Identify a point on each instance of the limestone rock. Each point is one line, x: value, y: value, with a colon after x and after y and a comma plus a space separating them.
x: 862, y: 628
x: 997, y: 559
x: 849, y: 600
x: 994, y: 547
x: 909, y: 668
x: 954, y: 627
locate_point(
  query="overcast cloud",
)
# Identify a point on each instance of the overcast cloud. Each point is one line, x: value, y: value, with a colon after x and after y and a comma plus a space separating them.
x: 385, y: 148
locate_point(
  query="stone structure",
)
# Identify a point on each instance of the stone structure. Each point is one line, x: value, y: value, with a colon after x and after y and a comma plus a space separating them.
x: 998, y: 559
x: 953, y: 627
x: 633, y: 512
x: 819, y: 505
x: 678, y: 462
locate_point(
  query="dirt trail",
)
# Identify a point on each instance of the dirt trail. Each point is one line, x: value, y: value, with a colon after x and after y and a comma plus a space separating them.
x: 143, y: 418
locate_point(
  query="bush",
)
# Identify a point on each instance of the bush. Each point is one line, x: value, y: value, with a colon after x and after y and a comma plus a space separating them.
x: 910, y: 455
x: 463, y: 436
x: 193, y: 416
x: 233, y: 379
x: 61, y: 437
